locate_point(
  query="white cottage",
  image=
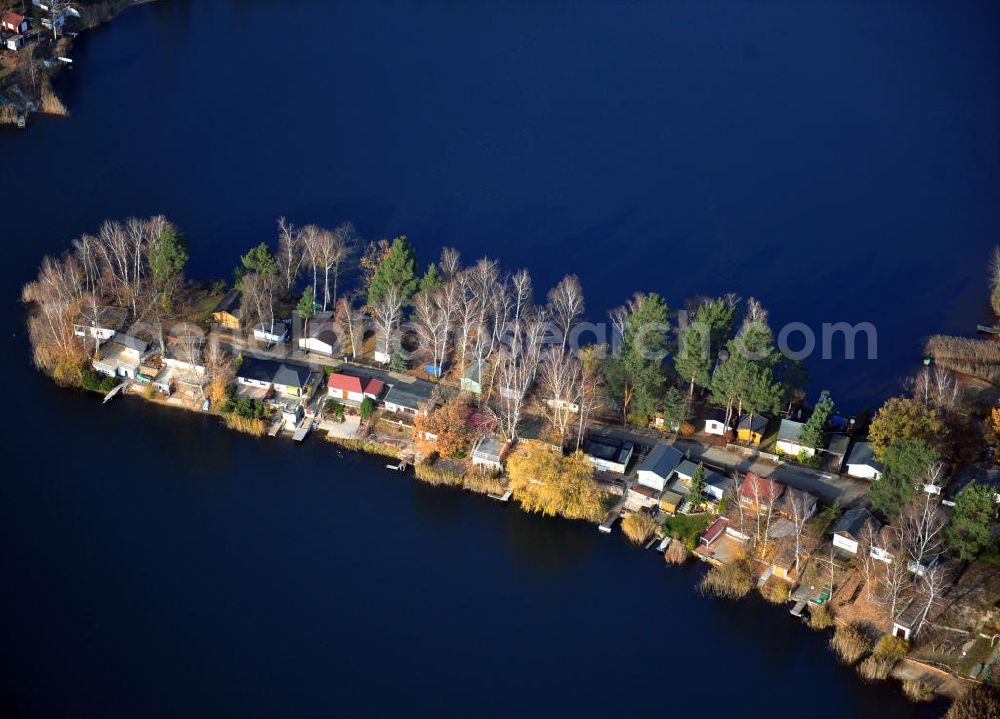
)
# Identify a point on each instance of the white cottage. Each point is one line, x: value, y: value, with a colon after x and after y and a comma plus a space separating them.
x: 847, y: 531
x: 658, y: 466
x: 715, y: 421
x: 788, y: 439
x: 861, y: 462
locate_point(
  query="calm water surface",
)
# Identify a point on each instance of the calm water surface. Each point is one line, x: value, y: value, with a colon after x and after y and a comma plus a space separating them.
x: 839, y: 160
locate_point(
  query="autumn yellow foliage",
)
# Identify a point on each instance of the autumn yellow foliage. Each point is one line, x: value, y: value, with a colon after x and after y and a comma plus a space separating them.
x: 730, y: 581
x: 676, y: 553
x: 545, y: 481
x: 51, y: 104
x: 993, y: 428
x: 449, y: 423
x: 253, y: 427
x: 904, y: 418
x: 638, y: 527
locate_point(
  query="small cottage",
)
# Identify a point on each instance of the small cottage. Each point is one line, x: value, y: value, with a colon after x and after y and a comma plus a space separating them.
x: 783, y: 561
x: 907, y: 620
x: 714, y: 530
x: 716, y: 485
x: 608, y: 454
x: 101, y: 324
x: 410, y: 398
x: 122, y: 356
x: 228, y: 312
x: 472, y: 376
x: 788, y: 439
x: 751, y: 428
x: 12, y: 22
x: 837, y: 446
x: 847, y: 531
x: 658, y: 466
x: 861, y: 462
x: 350, y: 388
x: 758, y: 492
x: 715, y: 421
x: 639, y: 497
x: 490, y: 452
x: 671, y: 501
x: 287, y: 379
x: 15, y: 42
x: 319, y: 335
x: 272, y: 333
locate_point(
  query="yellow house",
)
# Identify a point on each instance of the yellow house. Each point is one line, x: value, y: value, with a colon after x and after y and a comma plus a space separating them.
x: 751, y: 428
x: 671, y: 501
x: 227, y: 312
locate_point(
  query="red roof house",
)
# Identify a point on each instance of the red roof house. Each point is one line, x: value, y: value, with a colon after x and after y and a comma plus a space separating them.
x: 714, y: 531
x: 352, y: 388
x: 481, y: 421
x: 13, y: 22
x: 760, y: 491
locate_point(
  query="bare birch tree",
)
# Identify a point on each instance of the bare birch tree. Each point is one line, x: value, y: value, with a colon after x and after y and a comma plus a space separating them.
x: 921, y: 526
x: 88, y: 255
x: 291, y: 252
x: 798, y: 502
x: 54, y: 298
x: 588, y: 397
x: 734, y: 498
x: 432, y: 323
x: 755, y: 312
x: 867, y: 541
x: 619, y: 321
x: 450, y: 263
x: 258, y: 296
x: 468, y: 316
x: 350, y: 325
x: 483, y: 285
x: 765, y: 497
x: 566, y: 306
x: 559, y: 379
x: 931, y: 585
x: 894, y: 580
x: 189, y: 347
x: 117, y: 249
x: 937, y: 386
x: 387, y: 313
x: 516, y: 373
x: 312, y: 241
x: 345, y: 243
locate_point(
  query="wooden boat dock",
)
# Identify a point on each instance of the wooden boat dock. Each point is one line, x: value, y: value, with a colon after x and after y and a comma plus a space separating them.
x: 612, y: 517
x: 302, y: 431
x: 505, y: 497
x: 114, y: 392
x: 402, y: 465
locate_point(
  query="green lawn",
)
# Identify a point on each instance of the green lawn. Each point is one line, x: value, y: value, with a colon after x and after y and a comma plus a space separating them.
x: 201, y: 310
x: 686, y: 527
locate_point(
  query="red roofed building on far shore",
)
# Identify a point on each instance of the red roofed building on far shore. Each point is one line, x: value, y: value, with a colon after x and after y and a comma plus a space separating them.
x: 12, y: 22
x: 354, y: 389
x: 759, y: 491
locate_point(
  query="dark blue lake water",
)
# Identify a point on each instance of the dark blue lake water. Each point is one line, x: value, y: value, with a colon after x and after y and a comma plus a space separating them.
x: 838, y: 160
